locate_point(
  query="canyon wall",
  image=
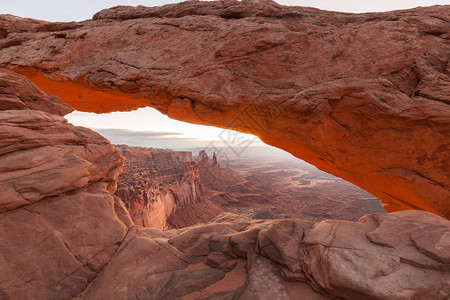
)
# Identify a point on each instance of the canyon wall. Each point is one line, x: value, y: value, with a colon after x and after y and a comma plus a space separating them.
x: 362, y: 96
x: 161, y: 188
x: 64, y: 235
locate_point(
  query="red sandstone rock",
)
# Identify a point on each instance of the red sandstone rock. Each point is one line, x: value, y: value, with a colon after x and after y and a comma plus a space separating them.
x: 41, y: 155
x: 64, y: 238
x: 54, y: 248
x: 18, y: 94
x: 212, y: 176
x: 122, y: 213
x: 58, y: 226
x: 161, y: 188
x: 323, y: 260
x: 362, y: 96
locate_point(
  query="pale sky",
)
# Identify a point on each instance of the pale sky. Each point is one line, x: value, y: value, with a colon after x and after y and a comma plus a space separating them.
x: 77, y: 10
x: 147, y: 127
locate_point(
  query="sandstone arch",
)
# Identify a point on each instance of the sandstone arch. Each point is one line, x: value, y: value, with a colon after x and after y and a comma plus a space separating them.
x: 364, y: 97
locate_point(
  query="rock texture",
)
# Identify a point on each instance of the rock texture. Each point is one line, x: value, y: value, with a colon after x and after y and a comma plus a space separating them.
x: 362, y: 96
x: 166, y: 189
x: 161, y: 188
x: 58, y: 226
x: 20, y: 94
x: 41, y: 155
x: 375, y: 258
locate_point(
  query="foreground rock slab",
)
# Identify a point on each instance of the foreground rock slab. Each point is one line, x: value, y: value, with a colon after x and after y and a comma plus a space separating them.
x: 362, y: 96
x: 374, y: 258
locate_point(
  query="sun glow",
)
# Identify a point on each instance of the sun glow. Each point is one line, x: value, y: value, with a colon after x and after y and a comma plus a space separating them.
x: 147, y: 120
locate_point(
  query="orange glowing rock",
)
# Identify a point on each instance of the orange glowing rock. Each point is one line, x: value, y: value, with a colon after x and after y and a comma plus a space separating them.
x: 364, y: 97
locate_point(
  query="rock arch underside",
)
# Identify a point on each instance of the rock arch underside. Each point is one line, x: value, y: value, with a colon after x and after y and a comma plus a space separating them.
x: 362, y: 96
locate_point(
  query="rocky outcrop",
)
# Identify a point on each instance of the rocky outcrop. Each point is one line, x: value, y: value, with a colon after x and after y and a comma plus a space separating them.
x: 58, y: 226
x: 41, y: 155
x: 161, y: 188
x: 212, y: 176
x: 238, y: 258
x: 20, y: 94
x: 362, y: 96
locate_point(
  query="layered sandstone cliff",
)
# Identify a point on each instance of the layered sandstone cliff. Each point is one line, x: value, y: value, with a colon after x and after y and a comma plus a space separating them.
x: 161, y: 188
x: 58, y: 226
x: 362, y: 96
x: 64, y: 235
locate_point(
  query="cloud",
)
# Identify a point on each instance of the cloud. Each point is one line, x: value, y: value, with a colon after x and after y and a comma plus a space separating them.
x: 177, y: 141
x: 152, y: 139
x: 121, y: 133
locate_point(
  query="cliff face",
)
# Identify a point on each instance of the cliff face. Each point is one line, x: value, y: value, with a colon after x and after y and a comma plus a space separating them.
x: 211, y: 174
x: 156, y: 185
x: 64, y: 235
x: 58, y: 225
x: 362, y: 96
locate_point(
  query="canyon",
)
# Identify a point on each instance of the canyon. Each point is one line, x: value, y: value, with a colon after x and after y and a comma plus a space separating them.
x: 364, y: 97
x: 265, y: 187
x: 167, y: 189
x: 161, y: 188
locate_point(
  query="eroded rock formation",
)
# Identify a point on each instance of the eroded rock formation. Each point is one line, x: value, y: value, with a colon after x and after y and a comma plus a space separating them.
x: 64, y: 235
x: 277, y: 188
x: 284, y: 259
x: 161, y: 188
x: 211, y: 174
x: 58, y: 226
x: 362, y: 96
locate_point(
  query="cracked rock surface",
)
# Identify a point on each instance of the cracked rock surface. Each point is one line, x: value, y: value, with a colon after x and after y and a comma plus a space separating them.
x: 284, y: 259
x: 362, y: 96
